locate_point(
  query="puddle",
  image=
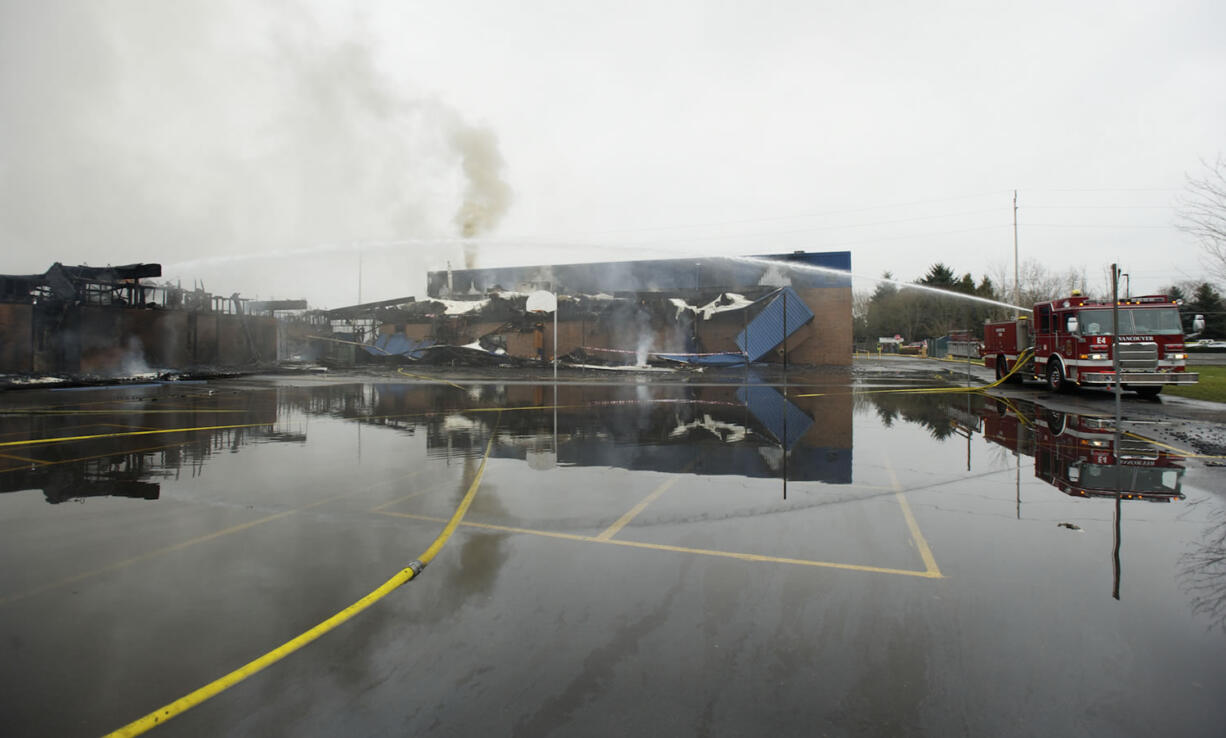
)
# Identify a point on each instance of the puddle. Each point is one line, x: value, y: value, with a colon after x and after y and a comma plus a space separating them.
x: 717, y: 553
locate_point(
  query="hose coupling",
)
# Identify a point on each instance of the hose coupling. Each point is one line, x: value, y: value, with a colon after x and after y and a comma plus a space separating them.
x: 417, y: 565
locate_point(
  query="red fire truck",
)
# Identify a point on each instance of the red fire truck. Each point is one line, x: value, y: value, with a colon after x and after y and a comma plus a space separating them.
x: 1072, y: 340
x: 1076, y: 454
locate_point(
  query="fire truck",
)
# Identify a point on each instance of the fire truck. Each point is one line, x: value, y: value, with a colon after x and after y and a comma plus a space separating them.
x: 1070, y: 341
x: 1076, y: 454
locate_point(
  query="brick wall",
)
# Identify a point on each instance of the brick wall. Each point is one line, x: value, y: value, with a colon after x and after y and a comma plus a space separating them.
x: 106, y: 340
x: 824, y: 341
x: 16, y: 338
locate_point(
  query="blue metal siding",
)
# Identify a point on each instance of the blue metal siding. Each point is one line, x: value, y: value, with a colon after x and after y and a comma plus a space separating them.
x: 766, y: 331
x: 786, y: 422
x: 396, y: 344
x: 833, y: 269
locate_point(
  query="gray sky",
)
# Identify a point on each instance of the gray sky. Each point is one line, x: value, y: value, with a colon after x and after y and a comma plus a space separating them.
x: 261, y: 146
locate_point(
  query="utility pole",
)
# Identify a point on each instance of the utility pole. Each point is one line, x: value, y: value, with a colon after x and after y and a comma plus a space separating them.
x: 1119, y: 421
x: 1115, y: 349
x: 1017, y: 292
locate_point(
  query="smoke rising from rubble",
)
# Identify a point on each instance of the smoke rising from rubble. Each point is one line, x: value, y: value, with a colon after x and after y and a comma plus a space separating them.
x: 225, y: 131
x: 486, y: 195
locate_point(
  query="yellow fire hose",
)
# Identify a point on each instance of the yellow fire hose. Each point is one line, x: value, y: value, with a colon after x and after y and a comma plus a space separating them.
x: 212, y: 689
x: 1017, y: 365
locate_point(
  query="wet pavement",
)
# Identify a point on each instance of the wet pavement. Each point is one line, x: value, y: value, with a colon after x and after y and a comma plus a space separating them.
x: 641, y: 557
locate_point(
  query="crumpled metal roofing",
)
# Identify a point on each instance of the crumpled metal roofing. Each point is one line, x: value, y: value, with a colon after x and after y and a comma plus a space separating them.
x: 397, y: 344
x: 767, y: 331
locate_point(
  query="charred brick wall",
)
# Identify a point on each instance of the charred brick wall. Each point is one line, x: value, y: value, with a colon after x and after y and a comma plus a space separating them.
x: 16, y: 338
x: 202, y: 338
x: 824, y: 341
x: 86, y: 339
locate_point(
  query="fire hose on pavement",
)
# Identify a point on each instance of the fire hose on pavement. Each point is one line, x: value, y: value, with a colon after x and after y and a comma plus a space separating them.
x: 407, y: 574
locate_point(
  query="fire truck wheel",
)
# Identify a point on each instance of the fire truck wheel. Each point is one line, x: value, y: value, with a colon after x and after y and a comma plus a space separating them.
x: 1056, y: 421
x: 1055, y: 376
x: 1148, y: 390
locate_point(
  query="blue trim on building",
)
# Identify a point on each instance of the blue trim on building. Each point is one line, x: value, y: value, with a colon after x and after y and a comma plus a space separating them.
x: 833, y: 269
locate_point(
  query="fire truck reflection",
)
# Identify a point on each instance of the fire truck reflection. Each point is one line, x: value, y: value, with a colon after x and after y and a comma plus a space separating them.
x: 1076, y: 453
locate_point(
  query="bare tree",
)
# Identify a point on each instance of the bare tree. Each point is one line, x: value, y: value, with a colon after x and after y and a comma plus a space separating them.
x: 1037, y: 282
x: 1202, y: 213
x: 1203, y: 572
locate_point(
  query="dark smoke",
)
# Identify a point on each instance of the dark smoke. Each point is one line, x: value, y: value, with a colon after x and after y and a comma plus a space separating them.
x: 486, y: 195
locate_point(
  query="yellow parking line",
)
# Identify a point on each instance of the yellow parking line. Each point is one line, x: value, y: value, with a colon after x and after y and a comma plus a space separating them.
x: 109, y: 454
x: 77, y: 426
x: 95, y: 436
x: 128, y: 427
x: 613, y: 530
x: 163, y: 550
x: 927, y: 574
x: 122, y: 411
x: 409, y: 496
x: 21, y: 458
x: 930, y: 563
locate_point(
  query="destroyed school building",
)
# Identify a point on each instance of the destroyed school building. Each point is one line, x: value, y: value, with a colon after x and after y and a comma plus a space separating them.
x: 704, y: 311
x: 82, y: 321
x: 110, y: 321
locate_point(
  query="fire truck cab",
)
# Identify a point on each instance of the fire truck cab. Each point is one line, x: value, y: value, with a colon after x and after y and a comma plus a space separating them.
x: 1073, y: 341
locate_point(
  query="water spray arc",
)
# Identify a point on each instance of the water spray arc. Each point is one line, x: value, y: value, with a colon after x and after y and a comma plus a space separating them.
x: 471, y: 246
x: 803, y: 267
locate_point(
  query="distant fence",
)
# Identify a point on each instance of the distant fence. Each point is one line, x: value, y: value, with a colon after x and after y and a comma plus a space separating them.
x: 939, y: 348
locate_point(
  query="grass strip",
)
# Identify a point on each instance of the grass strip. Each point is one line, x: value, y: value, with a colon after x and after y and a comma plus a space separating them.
x: 1212, y: 385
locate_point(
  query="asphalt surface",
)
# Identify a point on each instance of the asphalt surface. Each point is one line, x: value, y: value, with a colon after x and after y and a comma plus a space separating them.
x: 642, y: 556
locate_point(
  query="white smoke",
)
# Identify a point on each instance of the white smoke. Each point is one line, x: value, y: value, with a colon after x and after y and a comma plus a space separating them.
x: 643, y: 349
x: 132, y: 363
x: 228, y: 129
x: 775, y: 276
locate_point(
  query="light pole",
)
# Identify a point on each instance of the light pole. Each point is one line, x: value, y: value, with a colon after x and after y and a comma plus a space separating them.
x: 1017, y: 292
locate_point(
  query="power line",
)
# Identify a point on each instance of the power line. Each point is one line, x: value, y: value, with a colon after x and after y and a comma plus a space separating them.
x: 1099, y: 207
x: 1112, y: 189
x: 819, y: 214
x: 824, y: 245
x: 1092, y: 225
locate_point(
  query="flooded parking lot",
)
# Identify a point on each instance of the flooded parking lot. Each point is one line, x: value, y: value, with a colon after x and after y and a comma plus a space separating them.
x: 826, y: 557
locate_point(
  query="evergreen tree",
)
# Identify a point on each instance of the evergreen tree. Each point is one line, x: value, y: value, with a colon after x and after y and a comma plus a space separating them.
x: 1208, y: 302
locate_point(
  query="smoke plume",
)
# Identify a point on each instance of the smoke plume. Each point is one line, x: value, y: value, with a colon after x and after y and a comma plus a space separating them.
x: 486, y: 195
x: 244, y: 133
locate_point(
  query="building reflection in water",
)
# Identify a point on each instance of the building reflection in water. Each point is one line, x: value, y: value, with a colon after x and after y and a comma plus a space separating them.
x: 1071, y: 452
x: 749, y: 430
x: 1080, y: 455
x: 134, y: 474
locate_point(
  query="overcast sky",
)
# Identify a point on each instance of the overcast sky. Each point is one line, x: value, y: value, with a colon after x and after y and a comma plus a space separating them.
x: 271, y: 148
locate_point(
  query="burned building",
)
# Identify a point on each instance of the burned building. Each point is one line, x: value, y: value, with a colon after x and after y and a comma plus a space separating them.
x: 708, y: 310
x: 109, y: 321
